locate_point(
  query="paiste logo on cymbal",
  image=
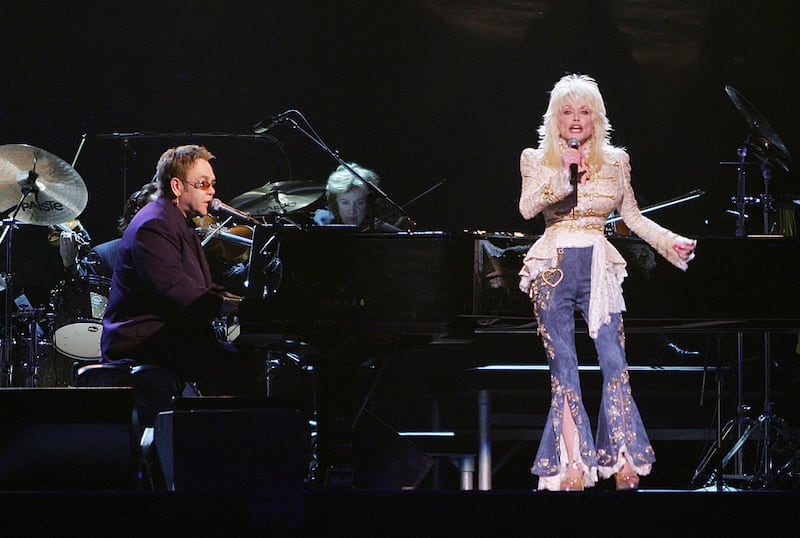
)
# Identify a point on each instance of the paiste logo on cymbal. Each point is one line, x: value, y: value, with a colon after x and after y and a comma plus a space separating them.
x: 48, y: 205
x: 44, y: 188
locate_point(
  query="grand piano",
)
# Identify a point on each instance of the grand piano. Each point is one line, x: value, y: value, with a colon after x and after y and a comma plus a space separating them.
x: 358, y: 298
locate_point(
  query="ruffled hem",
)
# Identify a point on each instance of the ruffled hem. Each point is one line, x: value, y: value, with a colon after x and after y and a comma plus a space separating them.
x: 622, y: 457
x: 608, y: 271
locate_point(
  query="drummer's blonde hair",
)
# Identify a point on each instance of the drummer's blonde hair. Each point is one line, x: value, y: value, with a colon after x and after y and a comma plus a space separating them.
x: 343, y: 180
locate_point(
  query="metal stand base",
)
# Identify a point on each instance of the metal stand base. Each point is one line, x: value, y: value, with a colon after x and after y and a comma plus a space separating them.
x: 768, y: 429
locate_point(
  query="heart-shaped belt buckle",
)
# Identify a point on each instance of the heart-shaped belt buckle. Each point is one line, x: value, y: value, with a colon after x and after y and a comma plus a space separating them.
x: 553, y: 277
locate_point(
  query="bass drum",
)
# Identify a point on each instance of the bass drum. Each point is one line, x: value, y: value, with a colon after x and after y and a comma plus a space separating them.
x: 79, y: 305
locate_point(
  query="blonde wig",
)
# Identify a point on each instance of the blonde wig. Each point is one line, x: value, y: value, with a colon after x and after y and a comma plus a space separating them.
x: 575, y: 87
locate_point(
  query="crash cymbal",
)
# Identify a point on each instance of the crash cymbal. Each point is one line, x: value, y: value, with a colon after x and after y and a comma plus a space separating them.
x: 280, y: 197
x: 57, y: 192
x: 769, y: 143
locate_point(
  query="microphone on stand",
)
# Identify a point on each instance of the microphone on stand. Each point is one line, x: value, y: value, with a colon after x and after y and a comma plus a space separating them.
x: 268, y: 123
x: 574, y: 143
x: 217, y: 207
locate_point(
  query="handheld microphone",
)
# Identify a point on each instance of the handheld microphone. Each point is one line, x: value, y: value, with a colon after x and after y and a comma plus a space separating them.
x: 266, y: 124
x: 574, y: 143
x: 216, y: 206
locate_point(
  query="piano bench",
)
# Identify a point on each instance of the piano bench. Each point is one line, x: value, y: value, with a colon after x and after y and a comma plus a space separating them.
x: 104, y: 375
x: 154, y: 386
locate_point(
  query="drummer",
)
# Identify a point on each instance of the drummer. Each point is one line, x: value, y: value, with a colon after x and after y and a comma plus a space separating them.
x: 350, y: 201
x: 99, y: 261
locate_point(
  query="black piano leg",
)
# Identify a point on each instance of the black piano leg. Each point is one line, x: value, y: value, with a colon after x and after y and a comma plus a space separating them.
x: 335, y: 412
x: 346, y: 387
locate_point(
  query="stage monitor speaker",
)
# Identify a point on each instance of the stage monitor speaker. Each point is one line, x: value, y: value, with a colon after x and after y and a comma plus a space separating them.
x: 384, y: 459
x: 232, y: 445
x: 66, y: 438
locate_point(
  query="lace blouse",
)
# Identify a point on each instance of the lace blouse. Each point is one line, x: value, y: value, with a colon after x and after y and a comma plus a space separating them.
x: 545, y: 189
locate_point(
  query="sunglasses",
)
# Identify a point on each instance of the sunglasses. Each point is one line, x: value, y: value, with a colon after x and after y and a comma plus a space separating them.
x: 202, y: 185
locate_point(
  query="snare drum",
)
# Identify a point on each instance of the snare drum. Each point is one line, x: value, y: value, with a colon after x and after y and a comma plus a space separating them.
x: 79, y: 306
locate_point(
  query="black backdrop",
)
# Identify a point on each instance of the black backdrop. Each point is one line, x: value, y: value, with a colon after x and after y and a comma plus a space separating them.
x: 420, y: 91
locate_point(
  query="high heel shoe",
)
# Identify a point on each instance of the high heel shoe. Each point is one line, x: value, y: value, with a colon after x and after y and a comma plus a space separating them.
x: 574, y: 483
x: 626, y: 481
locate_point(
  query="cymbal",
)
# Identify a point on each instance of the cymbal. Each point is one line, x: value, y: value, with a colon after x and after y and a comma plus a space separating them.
x: 280, y: 197
x: 57, y: 192
x: 768, y: 138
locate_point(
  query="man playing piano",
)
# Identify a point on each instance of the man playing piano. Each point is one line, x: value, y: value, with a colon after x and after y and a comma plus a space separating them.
x: 162, y: 298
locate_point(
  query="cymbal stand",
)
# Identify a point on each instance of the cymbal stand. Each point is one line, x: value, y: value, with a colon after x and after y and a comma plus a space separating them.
x: 742, y: 422
x: 27, y: 186
x: 768, y: 428
x: 5, y: 364
x: 741, y: 199
x: 767, y: 200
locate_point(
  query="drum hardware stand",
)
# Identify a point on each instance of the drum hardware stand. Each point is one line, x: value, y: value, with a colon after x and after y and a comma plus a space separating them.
x: 715, y: 453
x: 765, y: 199
x: 740, y: 198
x: 768, y: 427
x: 27, y: 186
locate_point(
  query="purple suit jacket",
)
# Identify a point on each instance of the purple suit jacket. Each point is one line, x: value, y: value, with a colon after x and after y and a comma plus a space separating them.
x: 161, y: 289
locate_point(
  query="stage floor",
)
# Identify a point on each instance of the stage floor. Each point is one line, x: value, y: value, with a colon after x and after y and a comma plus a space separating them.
x: 402, y: 513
